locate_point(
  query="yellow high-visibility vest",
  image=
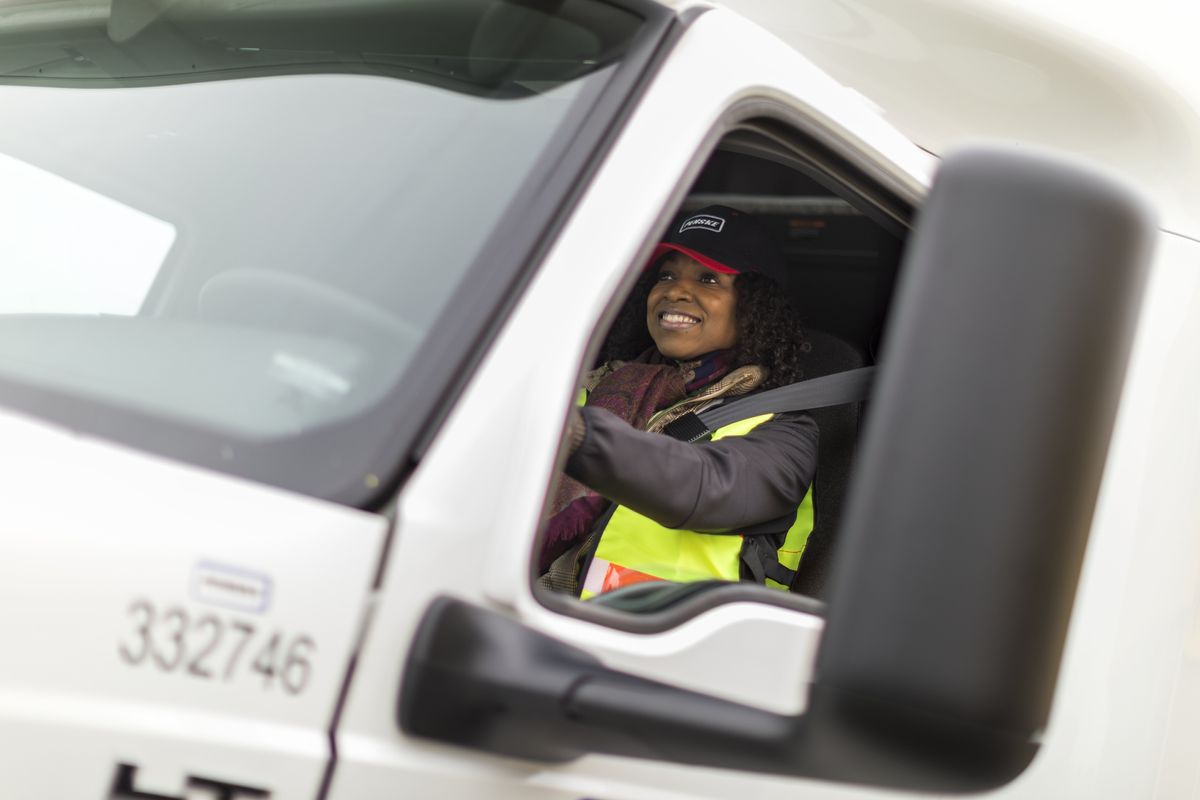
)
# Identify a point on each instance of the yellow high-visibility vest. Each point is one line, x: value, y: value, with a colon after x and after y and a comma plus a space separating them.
x: 634, y: 548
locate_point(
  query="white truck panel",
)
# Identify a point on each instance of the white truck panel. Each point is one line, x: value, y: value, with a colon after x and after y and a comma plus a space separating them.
x: 947, y: 72
x: 166, y: 626
x: 1121, y: 724
x: 179, y: 621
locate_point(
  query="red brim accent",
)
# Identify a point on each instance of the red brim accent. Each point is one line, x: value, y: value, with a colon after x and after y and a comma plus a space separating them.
x: 711, y: 263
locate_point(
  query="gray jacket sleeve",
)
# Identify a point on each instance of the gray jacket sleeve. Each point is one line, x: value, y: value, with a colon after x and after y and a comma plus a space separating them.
x: 717, y: 486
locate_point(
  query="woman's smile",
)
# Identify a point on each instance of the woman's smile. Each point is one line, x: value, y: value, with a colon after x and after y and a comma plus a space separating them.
x: 677, y: 320
x: 690, y: 310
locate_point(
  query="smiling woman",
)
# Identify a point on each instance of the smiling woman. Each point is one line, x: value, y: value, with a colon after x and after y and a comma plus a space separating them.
x: 638, y: 506
x: 690, y: 309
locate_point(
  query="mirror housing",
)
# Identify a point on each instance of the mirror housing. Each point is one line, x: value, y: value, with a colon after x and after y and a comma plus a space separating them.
x: 962, y: 540
x: 973, y: 498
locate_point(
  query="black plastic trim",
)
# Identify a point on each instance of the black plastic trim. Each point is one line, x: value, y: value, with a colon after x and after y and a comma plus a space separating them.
x: 685, y: 608
x: 478, y: 679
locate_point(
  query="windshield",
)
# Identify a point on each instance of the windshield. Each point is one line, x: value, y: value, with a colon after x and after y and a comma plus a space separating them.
x: 243, y: 221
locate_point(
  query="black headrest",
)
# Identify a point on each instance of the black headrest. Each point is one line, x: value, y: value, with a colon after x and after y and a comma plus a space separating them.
x: 828, y: 354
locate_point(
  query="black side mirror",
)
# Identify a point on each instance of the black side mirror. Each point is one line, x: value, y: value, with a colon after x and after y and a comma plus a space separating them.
x: 973, y: 499
x: 963, y: 536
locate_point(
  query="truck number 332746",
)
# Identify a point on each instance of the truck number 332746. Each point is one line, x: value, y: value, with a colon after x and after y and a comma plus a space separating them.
x: 212, y: 647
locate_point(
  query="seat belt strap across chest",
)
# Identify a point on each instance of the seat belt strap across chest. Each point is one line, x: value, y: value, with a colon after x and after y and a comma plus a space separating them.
x: 840, y: 388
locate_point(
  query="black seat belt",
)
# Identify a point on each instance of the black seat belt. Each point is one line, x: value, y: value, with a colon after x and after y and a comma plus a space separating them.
x: 851, y: 386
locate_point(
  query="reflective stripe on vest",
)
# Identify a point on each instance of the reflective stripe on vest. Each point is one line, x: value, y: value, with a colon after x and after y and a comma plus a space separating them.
x: 634, y: 548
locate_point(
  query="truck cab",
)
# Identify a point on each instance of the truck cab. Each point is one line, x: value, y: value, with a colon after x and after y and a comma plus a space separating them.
x: 296, y: 300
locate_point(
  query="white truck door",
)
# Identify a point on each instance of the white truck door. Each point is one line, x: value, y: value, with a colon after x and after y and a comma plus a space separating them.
x: 467, y: 519
x: 169, y: 632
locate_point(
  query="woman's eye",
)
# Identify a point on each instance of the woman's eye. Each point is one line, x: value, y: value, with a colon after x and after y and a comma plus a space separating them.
x: 665, y: 276
x: 708, y: 278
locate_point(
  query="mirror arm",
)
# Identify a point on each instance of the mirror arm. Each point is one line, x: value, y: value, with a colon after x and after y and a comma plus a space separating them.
x: 478, y: 679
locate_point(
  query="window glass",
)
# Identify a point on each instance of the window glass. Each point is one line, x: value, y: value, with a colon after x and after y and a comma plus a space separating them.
x: 246, y: 219
x: 71, y: 250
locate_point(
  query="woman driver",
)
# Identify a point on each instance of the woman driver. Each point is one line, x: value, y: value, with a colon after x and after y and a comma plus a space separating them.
x: 709, y: 324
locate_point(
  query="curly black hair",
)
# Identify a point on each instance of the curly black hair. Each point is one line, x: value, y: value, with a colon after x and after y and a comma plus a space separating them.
x: 768, y: 328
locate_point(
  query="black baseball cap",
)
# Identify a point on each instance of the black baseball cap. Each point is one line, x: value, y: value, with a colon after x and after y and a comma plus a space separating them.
x: 722, y: 239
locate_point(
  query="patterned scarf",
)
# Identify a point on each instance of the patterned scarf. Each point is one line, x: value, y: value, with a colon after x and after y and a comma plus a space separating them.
x: 648, y: 393
x: 702, y: 371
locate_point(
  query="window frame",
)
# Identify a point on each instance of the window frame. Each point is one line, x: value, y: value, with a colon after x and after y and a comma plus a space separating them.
x: 822, y: 155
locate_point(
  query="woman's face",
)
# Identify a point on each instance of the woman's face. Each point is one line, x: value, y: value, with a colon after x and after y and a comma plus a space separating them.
x: 690, y: 311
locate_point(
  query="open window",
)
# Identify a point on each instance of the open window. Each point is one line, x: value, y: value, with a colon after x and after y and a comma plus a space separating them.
x: 840, y: 237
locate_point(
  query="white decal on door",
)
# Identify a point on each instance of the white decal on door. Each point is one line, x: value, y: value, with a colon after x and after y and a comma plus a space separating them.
x: 231, y: 587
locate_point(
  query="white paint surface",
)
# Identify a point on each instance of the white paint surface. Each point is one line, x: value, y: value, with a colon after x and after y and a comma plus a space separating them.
x: 1159, y: 33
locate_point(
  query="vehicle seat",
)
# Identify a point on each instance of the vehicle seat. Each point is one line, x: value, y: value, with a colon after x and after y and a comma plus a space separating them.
x: 839, y: 427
